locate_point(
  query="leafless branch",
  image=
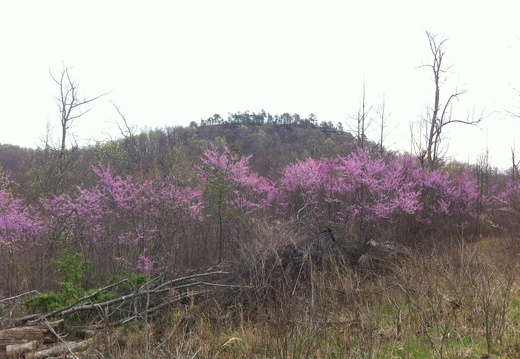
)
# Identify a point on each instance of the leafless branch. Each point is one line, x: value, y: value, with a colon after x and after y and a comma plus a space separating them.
x: 70, y: 105
x: 440, y: 113
x: 130, y: 144
x: 19, y: 296
x: 165, y: 293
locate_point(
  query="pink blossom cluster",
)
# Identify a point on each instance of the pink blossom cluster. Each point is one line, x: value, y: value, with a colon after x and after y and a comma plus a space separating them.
x: 120, y: 214
x: 227, y: 179
x: 136, y: 220
x: 378, y: 190
x: 20, y: 224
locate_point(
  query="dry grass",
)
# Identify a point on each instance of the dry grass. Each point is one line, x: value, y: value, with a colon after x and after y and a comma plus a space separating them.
x: 458, y: 301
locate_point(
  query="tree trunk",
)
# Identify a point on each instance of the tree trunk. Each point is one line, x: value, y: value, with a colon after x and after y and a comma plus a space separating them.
x: 15, y: 337
x: 20, y: 350
x: 59, y: 350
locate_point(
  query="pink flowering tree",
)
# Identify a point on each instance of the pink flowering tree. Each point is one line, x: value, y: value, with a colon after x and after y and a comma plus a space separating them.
x: 354, y: 192
x: 449, y: 203
x: 20, y: 232
x: 313, y: 183
x: 393, y: 198
x: 232, y: 193
x: 20, y: 224
x: 390, y: 197
x: 173, y: 210
x: 505, y: 205
x: 122, y: 220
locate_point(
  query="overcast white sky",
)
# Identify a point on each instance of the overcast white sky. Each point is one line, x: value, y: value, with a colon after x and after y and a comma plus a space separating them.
x: 168, y: 63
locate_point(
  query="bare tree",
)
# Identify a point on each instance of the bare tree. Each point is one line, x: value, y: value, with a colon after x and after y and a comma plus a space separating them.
x: 130, y: 142
x: 417, y: 145
x: 483, y: 172
x: 71, y: 105
x: 515, y: 164
x: 516, y: 112
x: 361, y: 120
x: 54, y: 171
x: 383, y: 124
x: 440, y: 114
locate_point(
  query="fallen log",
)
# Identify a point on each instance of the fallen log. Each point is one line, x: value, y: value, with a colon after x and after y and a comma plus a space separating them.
x: 60, y: 350
x: 39, y: 332
x: 20, y: 350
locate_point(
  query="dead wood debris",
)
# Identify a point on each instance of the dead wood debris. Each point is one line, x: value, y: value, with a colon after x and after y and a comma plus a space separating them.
x: 262, y: 275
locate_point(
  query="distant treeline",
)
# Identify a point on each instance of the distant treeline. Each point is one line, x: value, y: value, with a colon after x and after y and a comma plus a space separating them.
x: 265, y: 118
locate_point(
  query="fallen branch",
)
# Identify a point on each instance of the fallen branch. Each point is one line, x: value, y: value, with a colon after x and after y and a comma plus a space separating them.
x: 80, y: 300
x: 19, y: 296
x: 194, y: 276
x: 185, y: 287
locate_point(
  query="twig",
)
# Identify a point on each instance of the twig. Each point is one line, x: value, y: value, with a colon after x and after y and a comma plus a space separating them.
x: 51, y: 329
x: 190, y: 277
x: 19, y: 296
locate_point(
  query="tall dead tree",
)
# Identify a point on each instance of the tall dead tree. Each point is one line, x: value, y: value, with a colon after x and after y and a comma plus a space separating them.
x: 53, y: 172
x: 439, y: 115
x: 515, y: 165
x: 71, y: 105
x: 361, y: 120
x: 383, y: 118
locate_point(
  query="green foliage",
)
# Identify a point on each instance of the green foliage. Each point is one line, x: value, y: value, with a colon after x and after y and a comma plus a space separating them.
x: 45, y: 302
x: 220, y: 141
x: 220, y: 191
x: 221, y: 187
x: 180, y: 164
x: 3, y: 180
x: 133, y: 280
x: 261, y: 136
x: 99, y: 297
x: 71, y: 266
x: 111, y: 154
